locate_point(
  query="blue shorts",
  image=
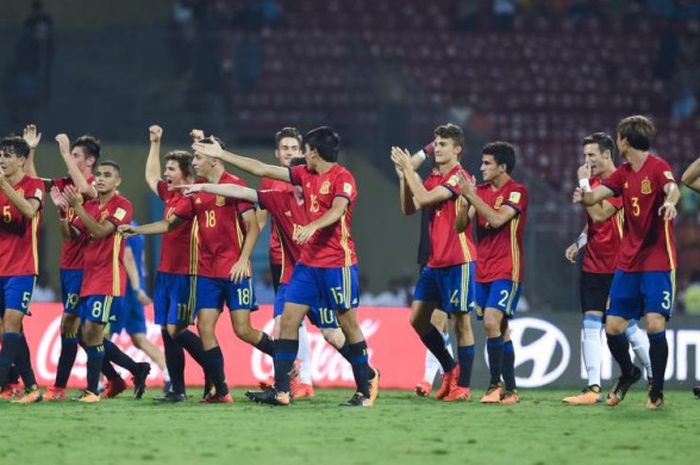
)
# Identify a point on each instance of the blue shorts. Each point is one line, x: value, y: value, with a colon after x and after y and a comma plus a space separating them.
x: 100, y: 309
x: 633, y: 294
x: 322, y: 318
x: 71, y: 280
x: 16, y: 293
x: 501, y: 294
x: 213, y: 292
x: 334, y: 288
x: 171, y: 299
x: 127, y: 313
x: 452, y: 288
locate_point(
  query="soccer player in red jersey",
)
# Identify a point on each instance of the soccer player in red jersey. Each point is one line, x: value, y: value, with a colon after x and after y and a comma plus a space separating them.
x: 500, y: 204
x: 104, y: 274
x: 447, y: 282
x: 173, y: 293
x: 21, y: 199
x: 601, y: 238
x: 226, y: 231
x: 326, y: 274
x: 80, y: 158
x: 644, y: 279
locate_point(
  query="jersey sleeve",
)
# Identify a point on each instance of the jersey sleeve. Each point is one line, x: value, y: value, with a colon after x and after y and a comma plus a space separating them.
x: 35, y: 191
x: 297, y: 174
x: 452, y: 184
x: 616, y: 181
x: 517, y: 199
x: 185, y: 207
x: 615, y: 201
x: 344, y: 186
x: 272, y: 201
x: 663, y: 173
x: 162, y: 189
x: 266, y: 184
x: 121, y: 214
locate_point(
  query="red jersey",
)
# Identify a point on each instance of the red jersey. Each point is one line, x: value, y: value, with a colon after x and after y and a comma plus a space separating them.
x: 19, y: 235
x: 71, y: 249
x: 604, y: 238
x: 289, y: 214
x: 330, y: 247
x: 218, y: 230
x: 103, y: 267
x: 500, y: 250
x: 647, y: 242
x: 274, y: 244
x: 177, y: 246
x: 447, y: 246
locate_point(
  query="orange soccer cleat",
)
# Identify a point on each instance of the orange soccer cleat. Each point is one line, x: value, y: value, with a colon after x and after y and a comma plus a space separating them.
x: 449, y: 382
x: 10, y: 391
x: 510, y: 397
x: 29, y: 397
x: 303, y: 390
x: 88, y: 397
x: 423, y: 389
x: 54, y: 393
x: 493, y: 395
x: 114, y: 388
x: 217, y: 399
x: 458, y: 393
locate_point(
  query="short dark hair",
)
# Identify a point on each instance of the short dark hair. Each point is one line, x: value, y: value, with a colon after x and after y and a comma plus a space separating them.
x: 639, y: 131
x: 211, y: 139
x: 325, y: 141
x: 183, y: 160
x: 90, y: 144
x: 287, y: 132
x: 603, y: 140
x: 451, y: 131
x: 296, y: 161
x: 113, y: 164
x: 15, y: 145
x: 503, y: 153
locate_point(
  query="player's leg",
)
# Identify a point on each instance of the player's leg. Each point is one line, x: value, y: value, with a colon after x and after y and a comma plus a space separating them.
x: 640, y: 346
x: 658, y: 289
x: 240, y: 299
x: 304, y: 384
x: 625, y: 305
x: 432, y: 365
x: 135, y: 326
x: 509, y: 295
x: 173, y: 353
x: 96, y: 313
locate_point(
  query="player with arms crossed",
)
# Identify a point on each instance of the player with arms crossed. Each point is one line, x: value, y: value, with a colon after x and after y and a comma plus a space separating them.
x: 21, y: 199
x: 500, y: 204
x: 644, y: 279
x: 447, y: 282
x: 601, y: 238
x: 326, y: 274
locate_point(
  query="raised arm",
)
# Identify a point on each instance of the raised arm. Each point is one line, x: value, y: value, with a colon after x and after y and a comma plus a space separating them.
x: 249, y: 165
x: 421, y: 196
x: 691, y: 175
x: 155, y: 134
x: 227, y: 190
x: 73, y: 171
x: 593, y: 197
x: 32, y: 138
x: 27, y: 207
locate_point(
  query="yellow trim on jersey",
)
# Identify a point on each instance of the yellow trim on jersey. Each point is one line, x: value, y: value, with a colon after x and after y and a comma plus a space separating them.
x: 279, y: 237
x: 513, y: 290
x: 669, y: 247
x: 106, y: 307
x: 465, y: 246
x: 620, y: 221
x: 464, y: 288
x: 35, y: 242
x: 347, y: 287
x: 194, y: 247
x: 514, y: 248
x: 344, y: 236
x: 116, y: 277
x: 239, y: 234
x: 192, y: 300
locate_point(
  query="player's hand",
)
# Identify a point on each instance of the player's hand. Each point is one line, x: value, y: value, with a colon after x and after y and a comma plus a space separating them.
x: 466, y: 185
x: 577, y: 196
x: 63, y: 143
x: 401, y: 158
x: 127, y: 230
x: 72, y: 195
x: 399, y: 173
x: 189, y: 189
x: 143, y: 298
x: 31, y: 137
x: 155, y: 133
x: 196, y: 135
x: 240, y: 270
x: 571, y: 252
x: 212, y: 150
x: 668, y: 211
x: 584, y: 171
x: 58, y: 199
x: 303, y: 234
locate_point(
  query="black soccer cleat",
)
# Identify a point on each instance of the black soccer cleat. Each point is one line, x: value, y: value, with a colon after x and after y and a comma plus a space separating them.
x: 139, y: 378
x: 622, y: 385
x: 358, y: 400
x: 269, y: 396
x: 171, y: 397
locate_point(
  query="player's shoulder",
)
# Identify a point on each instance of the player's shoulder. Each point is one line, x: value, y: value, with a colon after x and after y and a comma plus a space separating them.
x: 658, y: 162
x: 340, y: 171
x: 30, y: 180
x: 120, y: 200
x: 229, y: 178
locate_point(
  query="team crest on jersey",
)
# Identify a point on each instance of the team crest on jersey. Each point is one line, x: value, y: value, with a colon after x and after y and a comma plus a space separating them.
x: 646, y: 186
x: 514, y: 197
x: 120, y: 214
x: 325, y: 188
x: 220, y: 201
x: 347, y: 188
x: 499, y: 201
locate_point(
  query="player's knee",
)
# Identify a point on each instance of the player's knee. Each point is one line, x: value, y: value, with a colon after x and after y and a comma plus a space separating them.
x: 244, y: 332
x: 655, y: 324
x: 334, y: 337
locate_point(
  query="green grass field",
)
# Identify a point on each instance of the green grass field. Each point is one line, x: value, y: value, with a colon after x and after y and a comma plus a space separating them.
x: 400, y: 429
